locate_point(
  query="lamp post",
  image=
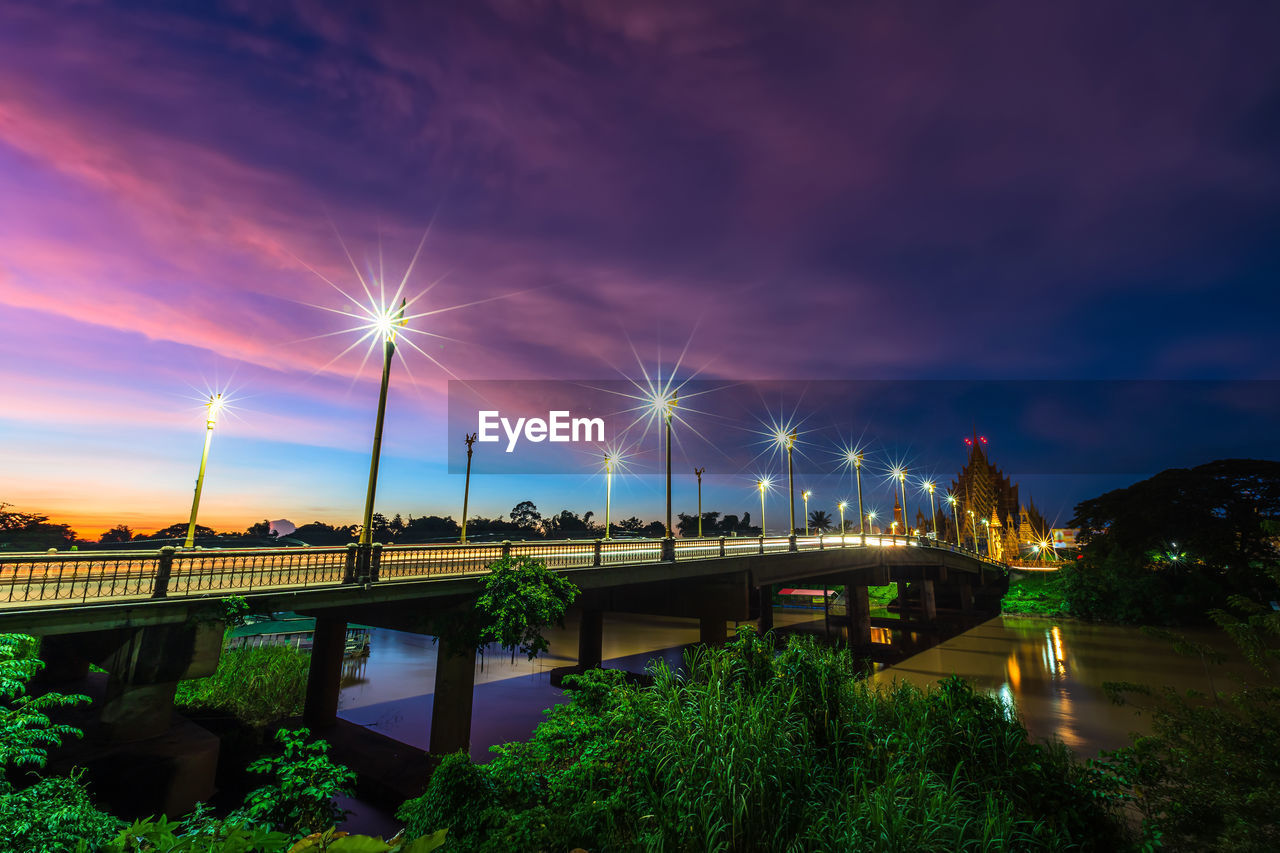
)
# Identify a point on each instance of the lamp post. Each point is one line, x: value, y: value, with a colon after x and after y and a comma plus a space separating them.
x: 933, y: 509
x: 211, y: 416
x: 806, y: 495
x: 466, y: 488
x: 842, y: 506
x: 763, y: 485
x: 668, y: 407
x: 986, y: 531
x: 871, y: 517
x: 385, y: 324
x: 953, y: 502
x: 791, y: 483
x: 698, y: 473
x: 857, y: 467
x: 902, y: 486
x: 609, y: 460
x: 974, y: 525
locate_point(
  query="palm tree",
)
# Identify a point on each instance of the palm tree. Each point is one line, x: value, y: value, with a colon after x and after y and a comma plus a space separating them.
x: 819, y: 521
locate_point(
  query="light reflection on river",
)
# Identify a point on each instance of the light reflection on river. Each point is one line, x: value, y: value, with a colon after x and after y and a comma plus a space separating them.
x: 1052, y: 671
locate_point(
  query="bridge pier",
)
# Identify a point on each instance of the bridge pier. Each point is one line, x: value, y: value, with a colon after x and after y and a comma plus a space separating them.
x: 765, y: 597
x: 324, y: 676
x: 857, y: 612
x: 904, y: 607
x: 928, y: 601
x: 590, y: 639
x: 452, y: 698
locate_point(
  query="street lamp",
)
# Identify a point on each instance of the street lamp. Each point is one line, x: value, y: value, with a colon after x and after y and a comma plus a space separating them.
x: 788, y: 440
x: 855, y: 458
x: 953, y: 502
x: 610, y: 459
x: 763, y: 485
x: 986, y: 531
x: 466, y: 489
x: 871, y: 516
x: 698, y: 473
x: 974, y: 525
x: 933, y: 509
x: 806, y: 495
x: 384, y: 324
x: 842, y: 506
x: 668, y: 409
x: 902, y: 486
x: 211, y: 416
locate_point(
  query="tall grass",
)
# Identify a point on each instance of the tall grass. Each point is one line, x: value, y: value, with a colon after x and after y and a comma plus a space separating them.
x: 759, y: 750
x: 260, y: 685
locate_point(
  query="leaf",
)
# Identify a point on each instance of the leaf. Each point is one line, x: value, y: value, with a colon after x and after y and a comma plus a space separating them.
x: 426, y: 843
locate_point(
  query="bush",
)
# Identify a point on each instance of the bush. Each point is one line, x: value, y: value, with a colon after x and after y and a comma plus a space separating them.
x: 1037, y: 594
x: 299, y: 798
x: 260, y: 685
x: 53, y: 816
x: 763, y: 750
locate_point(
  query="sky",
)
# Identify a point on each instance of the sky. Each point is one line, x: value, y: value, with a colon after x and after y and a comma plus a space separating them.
x: 753, y: 191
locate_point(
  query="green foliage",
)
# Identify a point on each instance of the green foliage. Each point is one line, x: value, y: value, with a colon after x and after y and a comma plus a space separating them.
x: 521, y: 598
x: 1037, y: 594
x: 55, y: 815
x: 260, y: 685
x: 759, y: 749
x: 299, y: 797
x: 206, y: 835
x: 1207, y: 777
x: 26, y: 732
x: 1166, y: 549
x: 234, y: 609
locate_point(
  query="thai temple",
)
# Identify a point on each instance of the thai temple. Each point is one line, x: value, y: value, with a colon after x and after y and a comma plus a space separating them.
x: 989, y: 509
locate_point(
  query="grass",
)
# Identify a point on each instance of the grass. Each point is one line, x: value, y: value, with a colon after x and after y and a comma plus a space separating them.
x: 260, y: 685
x: 1036, y: 594
x: 759, y: 749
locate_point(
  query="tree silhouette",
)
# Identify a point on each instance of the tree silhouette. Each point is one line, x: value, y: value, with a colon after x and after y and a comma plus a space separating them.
x: 819, y: 521
x: 119, y: 533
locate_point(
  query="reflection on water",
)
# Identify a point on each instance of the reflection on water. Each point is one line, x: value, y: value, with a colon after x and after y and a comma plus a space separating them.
x: 1052, y: 672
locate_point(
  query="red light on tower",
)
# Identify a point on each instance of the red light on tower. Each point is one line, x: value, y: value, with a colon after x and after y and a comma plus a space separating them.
x: 982, y: 438
x: 968, y: 442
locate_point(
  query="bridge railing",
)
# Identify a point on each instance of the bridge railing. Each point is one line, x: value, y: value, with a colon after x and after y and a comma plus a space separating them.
x: 133, y: 575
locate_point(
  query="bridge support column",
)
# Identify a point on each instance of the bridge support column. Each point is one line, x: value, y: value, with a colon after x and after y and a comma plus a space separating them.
x: 966, y: 596
x: 324, y: 677
x: 451, y: 701
x: 904, y: 610
x: 591, y: 639
x: 928, y: 601
x: 765, y: 594
x: 143, y: 673
x: 857, y: 611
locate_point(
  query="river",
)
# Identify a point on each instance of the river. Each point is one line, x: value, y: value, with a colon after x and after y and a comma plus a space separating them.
x: 1050, y: 670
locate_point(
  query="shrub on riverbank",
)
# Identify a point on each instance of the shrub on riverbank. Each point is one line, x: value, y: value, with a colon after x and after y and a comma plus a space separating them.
x: 1036, y: 594
x: 761, y: 751
x: 260, y: 685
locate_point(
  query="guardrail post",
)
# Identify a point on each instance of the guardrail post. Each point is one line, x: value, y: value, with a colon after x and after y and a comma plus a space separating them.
x: 375, y: 561
x: 761, y: 543
x: 164, y: 570
x: 792, y: 543
x: 669, y: 550
x: 721, y: 546
x: 349, y: 568
x: 595, y: 558
x: 506, y: 548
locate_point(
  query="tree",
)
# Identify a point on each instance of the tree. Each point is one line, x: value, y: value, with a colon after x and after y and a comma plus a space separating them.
x: 430, y: 528
x: 179, y: 531
x: 26, y: 732
x: 688, y: 524
x: 567, y: 525
x: 631, y: 525
x: 819, y: 520
x: 526, y: 517
x: 26, y: 531
x: 119, y: 533
x: 319, y: 533
x: 1168, y: 548
x: 262, y: 528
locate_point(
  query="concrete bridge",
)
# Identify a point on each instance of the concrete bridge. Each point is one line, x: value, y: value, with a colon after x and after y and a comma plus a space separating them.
x: 154, y: 618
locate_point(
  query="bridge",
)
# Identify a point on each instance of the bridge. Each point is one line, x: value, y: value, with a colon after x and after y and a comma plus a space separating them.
x: 153, y: 618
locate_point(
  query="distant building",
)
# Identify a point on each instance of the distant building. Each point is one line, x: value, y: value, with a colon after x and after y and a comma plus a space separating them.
x: 985, y: 490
